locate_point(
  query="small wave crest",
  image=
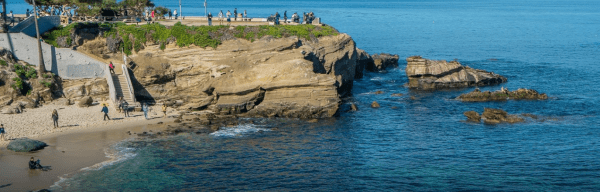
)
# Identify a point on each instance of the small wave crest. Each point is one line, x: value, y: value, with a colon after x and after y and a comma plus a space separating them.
x: 238, y: 131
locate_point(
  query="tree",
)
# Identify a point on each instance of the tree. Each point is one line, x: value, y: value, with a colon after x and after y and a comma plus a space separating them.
x: 137, y: 6
x: 161, y: 11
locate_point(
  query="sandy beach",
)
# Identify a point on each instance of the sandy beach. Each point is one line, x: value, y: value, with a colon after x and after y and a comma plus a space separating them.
x: 80, y: 142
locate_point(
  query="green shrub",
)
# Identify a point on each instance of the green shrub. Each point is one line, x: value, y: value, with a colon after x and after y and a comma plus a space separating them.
x: 46, y: 83
x: 20, y: 69
x: 31, y: 73
x: 18, y: 85
x: 3, y: 62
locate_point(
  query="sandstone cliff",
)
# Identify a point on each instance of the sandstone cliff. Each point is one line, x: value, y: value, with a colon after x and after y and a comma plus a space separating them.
x: 429, y: 74
x: 284, y: 77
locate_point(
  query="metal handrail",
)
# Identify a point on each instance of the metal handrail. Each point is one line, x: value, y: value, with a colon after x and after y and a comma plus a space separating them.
x: 126, y: 73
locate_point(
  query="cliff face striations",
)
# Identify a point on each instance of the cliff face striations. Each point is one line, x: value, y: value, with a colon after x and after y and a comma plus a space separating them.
x: 285, y: 77
x: 429, y: 74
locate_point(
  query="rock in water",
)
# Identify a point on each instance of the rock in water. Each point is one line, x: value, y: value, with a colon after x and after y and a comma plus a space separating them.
x: 383, y: 61
x: 25, y: 145
x: 354, y: 107
x: 502, y: 95
x: 429, y: 74
x: 397, y: 95
x: 85, y: 101
x: 363, y: 60
x: 472, y: 116
x: 375, y: 104
x: 494, y: 116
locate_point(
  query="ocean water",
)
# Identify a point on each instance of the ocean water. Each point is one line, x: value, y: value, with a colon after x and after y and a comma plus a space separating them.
x: 406, y: 145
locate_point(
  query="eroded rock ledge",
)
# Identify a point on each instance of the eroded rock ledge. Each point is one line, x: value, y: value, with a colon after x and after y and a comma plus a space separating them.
x: 502, y: 95
x: 287, y: 77
x: 430, y: 74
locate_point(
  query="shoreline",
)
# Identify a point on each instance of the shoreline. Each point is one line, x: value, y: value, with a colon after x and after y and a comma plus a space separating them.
x: 68, y: 152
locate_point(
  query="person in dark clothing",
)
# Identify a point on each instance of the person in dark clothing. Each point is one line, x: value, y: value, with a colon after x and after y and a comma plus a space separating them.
x: 235, y: 14
x: 105, y: 111
x: 209, y: 19
x: 35, y: 164
x: 304, y: 18
x: 55, y: 118
x: 111, y: 67
x: 277, y: 18
x: 2, y: 132
x: 285, y: 17
x: 126, y: 108
x: 295, y: 18
x: 170, y: 15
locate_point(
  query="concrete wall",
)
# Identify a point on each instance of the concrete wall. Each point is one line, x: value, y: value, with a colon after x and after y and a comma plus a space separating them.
x: 68, y: 64
x: 28, y: 26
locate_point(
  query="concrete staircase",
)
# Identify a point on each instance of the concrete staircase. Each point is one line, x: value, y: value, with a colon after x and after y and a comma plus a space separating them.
x: 122, y: 89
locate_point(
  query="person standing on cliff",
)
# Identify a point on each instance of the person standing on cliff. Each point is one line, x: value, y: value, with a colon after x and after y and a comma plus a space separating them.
x: 277, y: 16
x: 152, y: 15
x: 170, y: 15
x: 111, y: 67
x: 105, y: 111
x: 55, y: 118
x: 245, y: 15
x: 209, y: 17
x: 175, y: 13
x: 2, y: 132
x: 221, y: 17
x: 235, y: 14
x: 285, y: 17
x: 228, y: 17
x: 120, y: 104
x: 27, y: 13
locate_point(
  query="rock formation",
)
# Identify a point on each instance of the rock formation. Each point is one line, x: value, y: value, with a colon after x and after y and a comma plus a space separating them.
x: 286, y: 77
x: 375, y: 104
x: 374, y: 63
x: 429, y: 74
x: 25, y: 145
x: 502, y: 95
x: 493, y: 116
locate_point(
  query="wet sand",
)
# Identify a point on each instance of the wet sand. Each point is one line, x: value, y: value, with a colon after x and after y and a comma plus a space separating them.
x: 67, y: 153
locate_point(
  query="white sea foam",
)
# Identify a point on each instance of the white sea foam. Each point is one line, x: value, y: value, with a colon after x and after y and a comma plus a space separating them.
x: 238, y: 131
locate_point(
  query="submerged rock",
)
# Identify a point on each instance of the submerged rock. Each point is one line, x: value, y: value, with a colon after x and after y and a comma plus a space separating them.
x: 494, y: 116
x: 354, y: 107
x: 375, y: 104
x: 429, y: 74
x: 502, y: 95
x: 25, y: 145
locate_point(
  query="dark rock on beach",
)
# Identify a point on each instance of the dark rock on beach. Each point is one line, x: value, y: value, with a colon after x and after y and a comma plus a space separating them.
x: 25, y: 145
x: 429, y: 74
x: 85, y: 101
x: 503, y: 95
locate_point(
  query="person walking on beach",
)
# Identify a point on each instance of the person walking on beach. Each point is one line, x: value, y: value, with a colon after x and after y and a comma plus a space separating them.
x: 221, y: 17
x: 228, y: 17
x: 175, y: 13
x: 164, y: 109
x: 55, y: 118
x: 111, y: 67
x: 285, y: 17
x: 209, y: 17
x: 304, y: 18
x: 120, y: 102
x: 145, y: 109
x: 126, y: 108
x: 105, y: 111
x: 2, y: 132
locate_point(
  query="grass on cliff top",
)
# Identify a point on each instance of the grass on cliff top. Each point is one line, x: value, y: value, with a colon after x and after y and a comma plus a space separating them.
x: 135, y: 37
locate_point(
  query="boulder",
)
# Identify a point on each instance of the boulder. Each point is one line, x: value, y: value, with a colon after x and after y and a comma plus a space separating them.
x: 472, y: 116
x: 353, y: 107
x: 25, y: 145
x: 382, y: 61
x: 5, y: 100
x: 62, y: 42
x: 85, y: 101
x: 27, y: 102
x: 364, y: 60
x: 494, y: 114
x: 429, y: 74
x: 375, y: 104
x: 502, y: 95
x: 112, y: 43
